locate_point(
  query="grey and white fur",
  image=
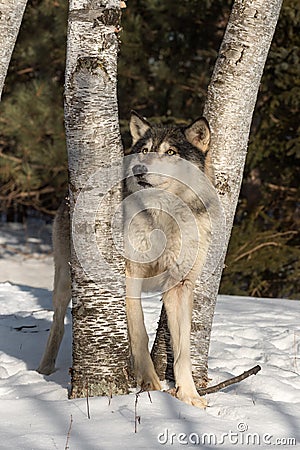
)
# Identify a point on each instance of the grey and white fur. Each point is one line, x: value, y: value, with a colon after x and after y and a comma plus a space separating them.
x: 167, y: 232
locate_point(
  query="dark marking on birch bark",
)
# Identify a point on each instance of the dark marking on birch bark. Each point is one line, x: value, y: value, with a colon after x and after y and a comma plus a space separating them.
x: 233, y: 54
x: 109, y: 17
x: 242, y: 54
x: 91, y: 64
x: 87, y: 15
x: 222, y: 184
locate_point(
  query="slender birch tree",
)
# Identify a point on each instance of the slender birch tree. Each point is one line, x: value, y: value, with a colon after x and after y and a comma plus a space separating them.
x: 11, y: 14
x: 100, y: 343
x: 229, y: 108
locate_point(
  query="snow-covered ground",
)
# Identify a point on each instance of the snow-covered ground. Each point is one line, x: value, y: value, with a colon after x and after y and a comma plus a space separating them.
x: 262, y: 411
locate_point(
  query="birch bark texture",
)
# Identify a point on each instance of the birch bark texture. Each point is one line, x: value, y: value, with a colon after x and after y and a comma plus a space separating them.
x: 11, y: 14
x: 100, y: 342
x: 231, y: 99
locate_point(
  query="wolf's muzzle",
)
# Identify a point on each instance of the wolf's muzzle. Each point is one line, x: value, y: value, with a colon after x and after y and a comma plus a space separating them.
x: 139, y: 169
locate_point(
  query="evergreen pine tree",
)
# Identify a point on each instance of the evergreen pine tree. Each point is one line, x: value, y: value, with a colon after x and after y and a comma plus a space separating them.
x: 33, y: 169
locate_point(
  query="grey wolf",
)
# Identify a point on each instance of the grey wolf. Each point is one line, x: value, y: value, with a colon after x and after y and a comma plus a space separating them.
x: 167, y: 235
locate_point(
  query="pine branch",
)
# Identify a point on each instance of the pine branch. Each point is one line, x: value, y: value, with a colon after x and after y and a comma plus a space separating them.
x: 34, y: 193
x: 275, y: 187
x: 233, y: 380
x: 258, y: 247
x: 10, y: 157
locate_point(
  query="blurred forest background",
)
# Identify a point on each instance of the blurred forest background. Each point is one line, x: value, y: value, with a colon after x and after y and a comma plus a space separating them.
x: 168, y: 50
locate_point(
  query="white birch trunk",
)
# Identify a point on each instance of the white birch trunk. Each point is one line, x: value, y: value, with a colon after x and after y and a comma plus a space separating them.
x: 100, y: 343
x: 229, y: 108
x: 11, y: 14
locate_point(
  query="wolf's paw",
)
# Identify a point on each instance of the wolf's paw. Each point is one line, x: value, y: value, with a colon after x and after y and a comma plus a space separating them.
x: 199, y: 402
x: 153, y: 385
x: 191, y: 398
x: 149, y: 381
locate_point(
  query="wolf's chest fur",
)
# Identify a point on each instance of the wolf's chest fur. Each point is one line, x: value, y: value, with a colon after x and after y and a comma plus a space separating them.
x: 167, y: 243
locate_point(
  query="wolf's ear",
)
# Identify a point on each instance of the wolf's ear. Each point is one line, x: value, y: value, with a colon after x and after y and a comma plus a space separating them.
x: 138, y: 126
x: 198, y: 134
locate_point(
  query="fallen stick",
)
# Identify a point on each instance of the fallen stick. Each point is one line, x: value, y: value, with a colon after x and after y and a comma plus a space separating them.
x: 137, y: 418
x: 237, y: 379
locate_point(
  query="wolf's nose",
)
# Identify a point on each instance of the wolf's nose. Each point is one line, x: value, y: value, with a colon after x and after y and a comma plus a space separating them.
x: 139, y: 169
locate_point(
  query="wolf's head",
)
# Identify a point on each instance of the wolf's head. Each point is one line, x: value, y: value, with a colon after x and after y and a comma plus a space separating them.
x: 164, y: 147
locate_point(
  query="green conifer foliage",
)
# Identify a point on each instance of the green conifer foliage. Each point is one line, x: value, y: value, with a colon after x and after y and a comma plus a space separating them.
x: 167, y: 55
x: 33, y: 169
x: 268, y: 217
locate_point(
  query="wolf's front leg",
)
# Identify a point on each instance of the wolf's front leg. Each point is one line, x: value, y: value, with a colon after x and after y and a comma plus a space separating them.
x: 144, y: 371
x: 178, y: 303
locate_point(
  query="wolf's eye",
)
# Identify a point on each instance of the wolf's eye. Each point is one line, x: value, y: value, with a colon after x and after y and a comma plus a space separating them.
x: 170, y: 152
x: 145, y: 150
